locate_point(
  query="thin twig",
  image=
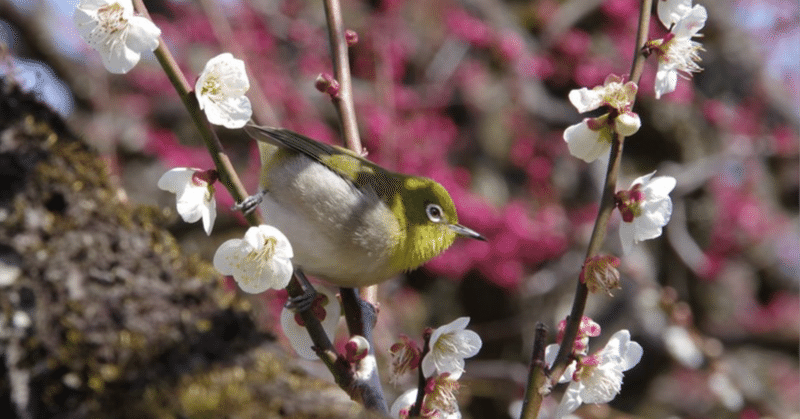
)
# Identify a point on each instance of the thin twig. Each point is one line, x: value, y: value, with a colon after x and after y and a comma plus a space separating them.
x: 606, y: 206
x: 341, y: 69
x: 537, y: 378
x: 227, y: 174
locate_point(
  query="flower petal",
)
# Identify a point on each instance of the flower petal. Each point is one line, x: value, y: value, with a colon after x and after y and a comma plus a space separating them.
x: 691, y: 23
x: 176, y: 179
x: 229, y: 255
x: 671, y: 11
x: 403, y: 402
x: 571, y: 400
x: 585, y: 100
x: 585, y: 143
x: 626, y: 238
x: 143, y: 34
x: 666, y: 79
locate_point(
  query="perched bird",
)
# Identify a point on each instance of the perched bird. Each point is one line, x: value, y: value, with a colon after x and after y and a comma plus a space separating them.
x: 350, y: 221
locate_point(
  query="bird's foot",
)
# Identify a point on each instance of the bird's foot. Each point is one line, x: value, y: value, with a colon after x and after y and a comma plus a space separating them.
x: 306, y: 300
x: 250, y: 203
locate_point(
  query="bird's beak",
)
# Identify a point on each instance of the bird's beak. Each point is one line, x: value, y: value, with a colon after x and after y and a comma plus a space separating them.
x: 466, y: 232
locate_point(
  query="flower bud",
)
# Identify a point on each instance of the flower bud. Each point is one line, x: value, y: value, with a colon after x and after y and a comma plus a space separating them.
x: 600, y: 273
x: 351, y: 37
x: 325, y: 83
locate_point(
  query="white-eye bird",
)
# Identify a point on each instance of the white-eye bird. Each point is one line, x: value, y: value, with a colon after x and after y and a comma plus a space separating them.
x: 350, y: 221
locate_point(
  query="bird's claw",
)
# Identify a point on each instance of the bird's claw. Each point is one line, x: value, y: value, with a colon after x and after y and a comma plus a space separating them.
x: 306, y: 300
x: 250, y: 203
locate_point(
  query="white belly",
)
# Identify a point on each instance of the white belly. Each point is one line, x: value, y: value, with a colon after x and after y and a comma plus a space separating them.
x: 337, y: 232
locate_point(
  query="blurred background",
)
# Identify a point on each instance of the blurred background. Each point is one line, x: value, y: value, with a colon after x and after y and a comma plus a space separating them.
x: 473, y: 94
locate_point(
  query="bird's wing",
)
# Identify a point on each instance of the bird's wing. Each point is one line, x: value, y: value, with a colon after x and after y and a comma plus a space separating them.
x: 344, y: 162
x: 291, y: 140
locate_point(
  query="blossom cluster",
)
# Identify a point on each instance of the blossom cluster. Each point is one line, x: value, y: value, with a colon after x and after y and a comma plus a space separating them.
x: 442, y: 365
x: 597, y: 377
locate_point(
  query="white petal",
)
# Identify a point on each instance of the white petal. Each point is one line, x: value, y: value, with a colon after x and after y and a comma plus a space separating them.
x: 457, y: 324
x: 660, y: 186
x: 643, y: 180
x: 671, y: 11
x: 585, y: 100
x: 450, y: 365
x: 96, y: 4
x: 119, y: 59
x: 142, y: 34
x: 666, y: 79
x: 618, y: 342
x: 632, y: 356
x: 550, y: 353
x: 627, y: 124
x: 403, y: 402
x: 209, y: 214
x: 220, y: 91
x: 229, y: 255
x: 190, y: 203
x: 85, y: 21
x: 231, y: 113
x: 649, y: 226
x: 691, y: 23
x: 681, y: 346
x: 428, y: 365
x: 626, y: 232
x: 176, y: 179
x: 570, y: 401
x: 585, y: 143
x: 471, y: 343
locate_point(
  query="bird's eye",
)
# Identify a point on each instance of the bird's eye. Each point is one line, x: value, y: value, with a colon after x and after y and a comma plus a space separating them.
x: 434, y: 213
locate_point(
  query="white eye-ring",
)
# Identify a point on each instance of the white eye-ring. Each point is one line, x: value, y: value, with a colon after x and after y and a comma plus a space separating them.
x: 434, y: 213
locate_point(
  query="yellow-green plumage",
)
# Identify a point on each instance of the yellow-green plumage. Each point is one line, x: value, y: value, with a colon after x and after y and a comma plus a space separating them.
x: 349, y: 220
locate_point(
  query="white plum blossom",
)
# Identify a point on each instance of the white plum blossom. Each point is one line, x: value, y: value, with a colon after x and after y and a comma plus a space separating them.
x: 449, y: 345
x: 591, y: 138
x: 326, y: 309
x: 194, y: 194
x: 677, y: 52
x: 402, y: 405
x: 111, y: 28
x: 646, y: 208
x: 598, y: 377
x: 260, y: 261
x: 221, y: 89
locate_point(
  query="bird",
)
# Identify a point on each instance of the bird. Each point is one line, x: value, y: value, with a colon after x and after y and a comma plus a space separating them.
x: 351, y: 222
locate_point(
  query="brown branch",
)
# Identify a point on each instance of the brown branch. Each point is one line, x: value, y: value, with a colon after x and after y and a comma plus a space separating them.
x: 606, y: 206
x: 223, y: 164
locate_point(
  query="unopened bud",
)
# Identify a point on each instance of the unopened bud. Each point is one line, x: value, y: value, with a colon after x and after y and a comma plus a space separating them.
x: 325, y: 83
x: 600, y: 273
x: 356, y: 349
x: 351, y: 37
